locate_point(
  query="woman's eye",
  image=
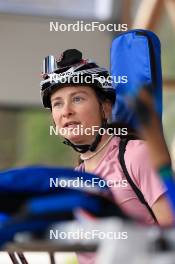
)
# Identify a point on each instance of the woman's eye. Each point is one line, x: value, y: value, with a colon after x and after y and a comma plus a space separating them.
x: 57, y: 104
x: 77, y: 98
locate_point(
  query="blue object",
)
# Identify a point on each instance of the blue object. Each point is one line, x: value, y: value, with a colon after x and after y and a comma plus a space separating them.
x: 3, y: 218
x: 63, y: 203
x: 37, y: 205
x: 17, y: 186
x: 135, y: 54
x: 167, y: 176
x: 39, y: 211
x: 36, y: 179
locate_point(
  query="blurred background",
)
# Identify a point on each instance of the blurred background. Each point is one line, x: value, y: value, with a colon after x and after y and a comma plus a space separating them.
x: 26, y: 39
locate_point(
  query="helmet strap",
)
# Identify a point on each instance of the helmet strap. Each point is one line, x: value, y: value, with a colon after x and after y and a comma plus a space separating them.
x: 84, y: 148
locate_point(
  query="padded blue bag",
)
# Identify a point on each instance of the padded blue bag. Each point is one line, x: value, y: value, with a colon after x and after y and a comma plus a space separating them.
x: 135, y: 54
x: 20, y: 184
x: 36, y: 179
x: 40, y: 213
x: 33, y: 206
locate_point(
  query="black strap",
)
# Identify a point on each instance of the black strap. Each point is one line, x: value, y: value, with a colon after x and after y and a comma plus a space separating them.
x: 85, y: 148
x: 122, y: 148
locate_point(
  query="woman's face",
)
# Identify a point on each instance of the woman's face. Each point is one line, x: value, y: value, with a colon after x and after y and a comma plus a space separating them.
x: 75, y: 107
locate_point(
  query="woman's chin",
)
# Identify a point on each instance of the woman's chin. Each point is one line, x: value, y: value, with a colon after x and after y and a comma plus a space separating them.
x: 77, y: 139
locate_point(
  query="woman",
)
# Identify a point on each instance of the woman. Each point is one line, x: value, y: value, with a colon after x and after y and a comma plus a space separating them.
x: 88, y: 105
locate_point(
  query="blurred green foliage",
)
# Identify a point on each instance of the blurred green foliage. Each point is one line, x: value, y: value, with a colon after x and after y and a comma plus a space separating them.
x: 167, y: 38
x: 38, y: 146
x: 30, y: 132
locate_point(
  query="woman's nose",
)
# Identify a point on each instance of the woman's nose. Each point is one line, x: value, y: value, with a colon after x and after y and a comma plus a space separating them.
x: 67, y: 110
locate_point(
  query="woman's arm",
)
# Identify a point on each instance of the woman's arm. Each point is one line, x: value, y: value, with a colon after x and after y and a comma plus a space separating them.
x: 149, y: 182
x: 152, y: 131
x: 162, y: 211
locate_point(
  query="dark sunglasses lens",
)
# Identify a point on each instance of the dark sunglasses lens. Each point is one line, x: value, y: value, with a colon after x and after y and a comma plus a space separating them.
x: 49, y: 65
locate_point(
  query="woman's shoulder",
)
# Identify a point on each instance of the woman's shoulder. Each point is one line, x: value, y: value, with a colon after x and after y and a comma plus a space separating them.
x: 137, y: 147
x: 137, y: 154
